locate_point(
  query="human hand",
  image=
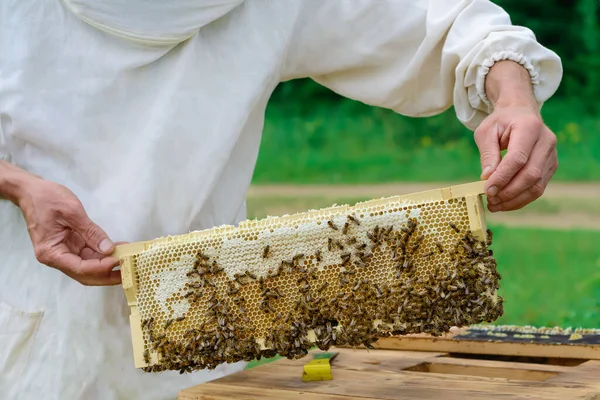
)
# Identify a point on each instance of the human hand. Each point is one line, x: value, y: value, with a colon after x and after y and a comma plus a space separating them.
x: 515, y: 125
x: 530, y: 161
x: 64, y: 237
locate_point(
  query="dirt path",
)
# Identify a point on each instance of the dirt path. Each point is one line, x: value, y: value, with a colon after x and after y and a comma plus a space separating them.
x: 588, y: 192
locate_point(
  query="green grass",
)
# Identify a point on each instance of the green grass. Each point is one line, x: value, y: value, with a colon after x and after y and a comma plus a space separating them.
x: 349, y: 142
x: 549, y: 278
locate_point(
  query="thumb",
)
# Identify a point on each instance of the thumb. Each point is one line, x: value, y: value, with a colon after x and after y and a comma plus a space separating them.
x: 489, y: 150
x: 94, y: 236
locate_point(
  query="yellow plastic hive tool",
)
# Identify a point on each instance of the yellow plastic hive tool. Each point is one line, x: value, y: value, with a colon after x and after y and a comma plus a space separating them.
x: 319, y: 368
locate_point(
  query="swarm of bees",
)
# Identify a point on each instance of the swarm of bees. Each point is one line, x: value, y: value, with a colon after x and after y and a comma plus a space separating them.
x: 353, y: 307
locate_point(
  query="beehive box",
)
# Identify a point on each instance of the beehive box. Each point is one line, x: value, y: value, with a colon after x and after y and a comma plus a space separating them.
x: 343, y: 275
x: 499, y: 362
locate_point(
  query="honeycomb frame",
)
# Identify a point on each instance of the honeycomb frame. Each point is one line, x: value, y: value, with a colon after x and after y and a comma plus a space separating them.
x: 285, y: 299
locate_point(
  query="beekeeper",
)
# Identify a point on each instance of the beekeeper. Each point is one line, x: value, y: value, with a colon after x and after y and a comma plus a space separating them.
x: 126, y: 120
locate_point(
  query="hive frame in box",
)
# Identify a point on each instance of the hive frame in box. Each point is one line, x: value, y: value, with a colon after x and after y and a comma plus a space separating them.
x: 471, y: 192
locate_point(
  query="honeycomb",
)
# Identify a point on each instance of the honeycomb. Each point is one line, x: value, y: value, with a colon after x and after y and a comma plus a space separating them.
x: 336, y: 276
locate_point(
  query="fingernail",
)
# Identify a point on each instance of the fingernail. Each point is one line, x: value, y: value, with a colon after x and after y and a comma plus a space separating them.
x: 105, y: 245
x: 492, y: 191
x: 493, y: 200
x: 486, y: 170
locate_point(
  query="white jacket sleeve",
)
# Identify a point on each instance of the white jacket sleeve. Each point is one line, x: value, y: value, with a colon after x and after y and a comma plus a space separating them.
x: 416, y: 57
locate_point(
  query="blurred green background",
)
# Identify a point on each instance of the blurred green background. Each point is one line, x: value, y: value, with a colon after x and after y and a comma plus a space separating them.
x: 319, y: 149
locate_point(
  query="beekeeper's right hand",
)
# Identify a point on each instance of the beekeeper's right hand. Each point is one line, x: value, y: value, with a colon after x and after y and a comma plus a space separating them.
x: 62, y: 234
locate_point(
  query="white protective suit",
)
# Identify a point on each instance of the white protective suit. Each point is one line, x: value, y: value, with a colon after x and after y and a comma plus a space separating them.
x: 151, y: 113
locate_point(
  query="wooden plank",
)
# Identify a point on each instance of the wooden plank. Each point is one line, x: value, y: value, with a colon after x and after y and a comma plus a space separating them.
x: 485, y: 371
x: 464, y: 362
x: 362, y: 374
x: 369, y: 360
x: 399, y: 385
x: 212, y: 391
x: 449, y: 345
x: 587, y: 373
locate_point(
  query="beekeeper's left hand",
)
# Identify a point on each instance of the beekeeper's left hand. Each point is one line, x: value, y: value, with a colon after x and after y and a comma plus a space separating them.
x: 515, y: 125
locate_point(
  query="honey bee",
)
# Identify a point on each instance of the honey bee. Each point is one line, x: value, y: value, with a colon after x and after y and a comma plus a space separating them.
x: 427, y: 255
x: 278, y: 292
x: 266, y: 251
x: 318, y: 255
x: 345, y: 228
x: 439, y: 246
x: 251, y: 275
x: 412, y: 224
x: 168, y: 323
x: 202, y: 256
x: 345, y: 258
x: 179, y: 319
x: 339, y: 244
x: 297, y: 257
x: 351, y: 241
x: 192, y: 272
x: 379, y: 292
x: 454, y: 227
x: 322, y: 287
x: 329, y: 244
x: 354, y: 219
x: 332, y: 225
x: 467, y: 248
x: 418, y: 242
x: 305, y: 288
x: 147, y: 356
x: 232, y: 290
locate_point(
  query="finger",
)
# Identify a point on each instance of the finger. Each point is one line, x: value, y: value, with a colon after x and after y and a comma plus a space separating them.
x: 93, y: 272
x: 520, y: 147
x: 74, y: 242
x: 94, y: 236
x: 527, y: 196
x: 542, y: 157
x: 487, y: 141
x: 90, y: 254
